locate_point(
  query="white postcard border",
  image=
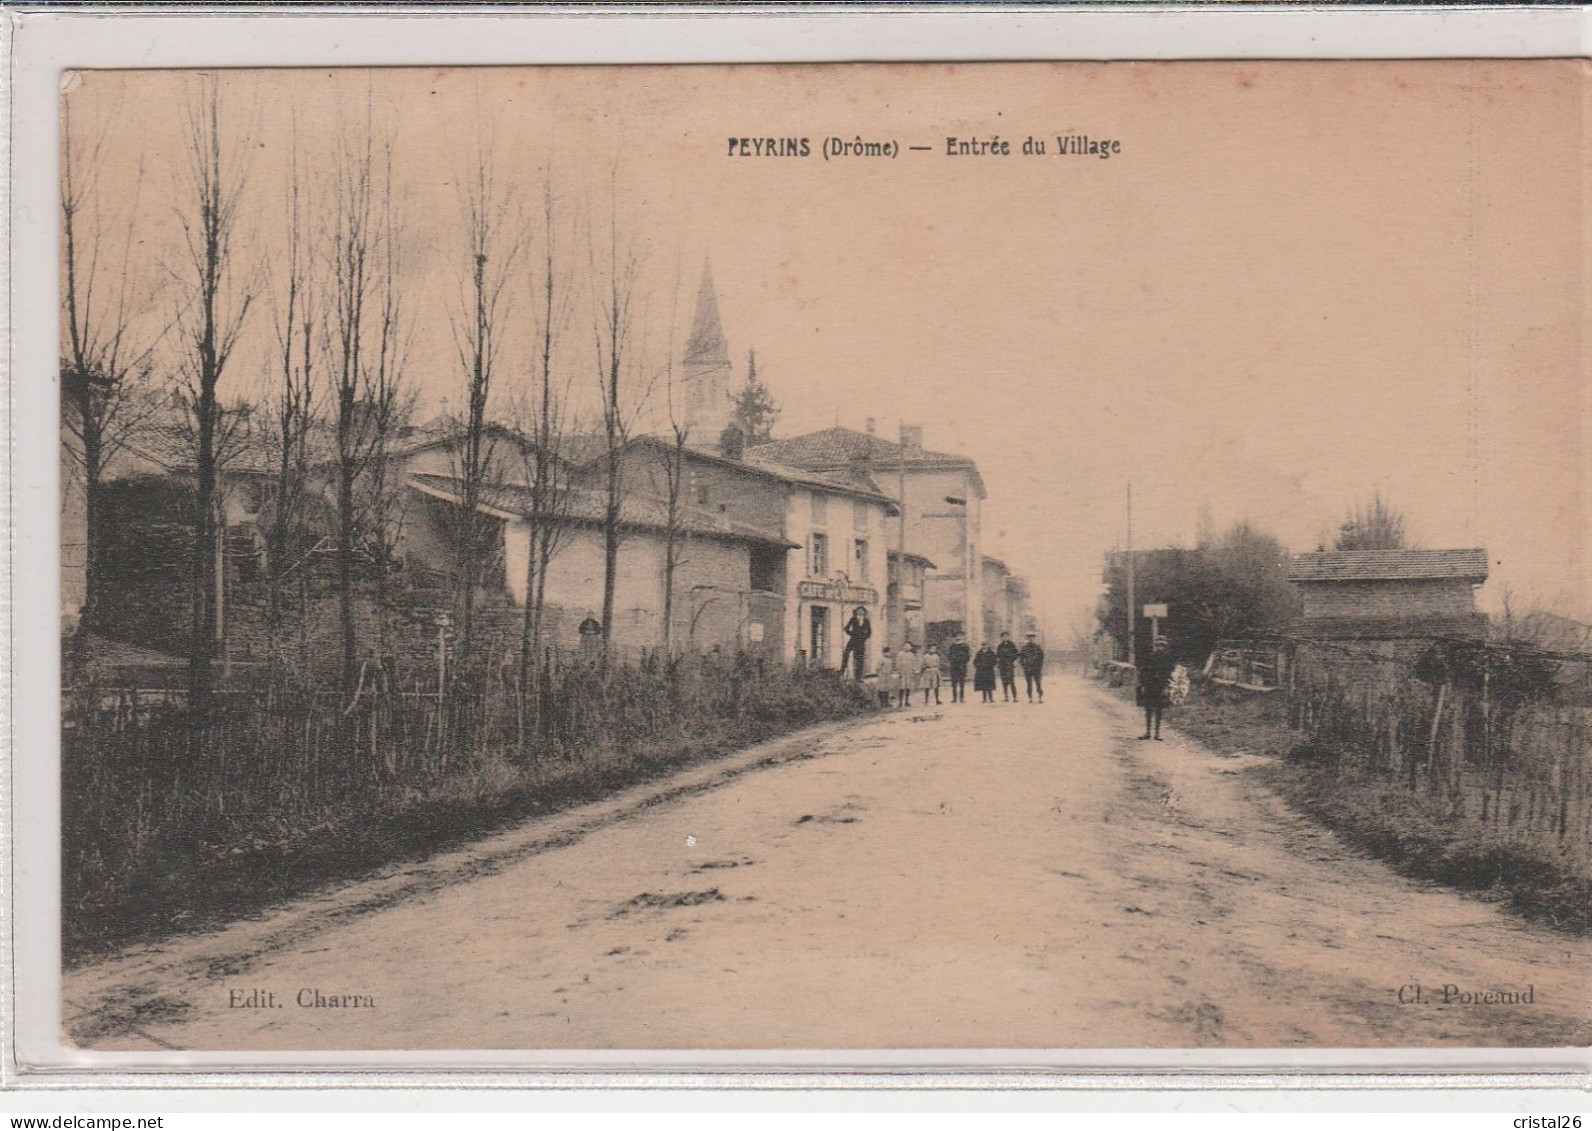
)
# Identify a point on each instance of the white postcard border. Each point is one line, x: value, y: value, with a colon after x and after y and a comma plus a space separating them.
x: 43, y: 44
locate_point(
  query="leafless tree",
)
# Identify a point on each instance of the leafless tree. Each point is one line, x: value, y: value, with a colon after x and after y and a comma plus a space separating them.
x: 1372, y: 526
x: 615, y: 273
x: 369, y: 336
x: 104, y: 373
x: 290, y: 403
x: 1539, y: 625
x: 493, y: 242
x: 672, y: 467
x: 676, y: 532
x: 545, y: 422
x: 389, y: 401
x: 215, y: 307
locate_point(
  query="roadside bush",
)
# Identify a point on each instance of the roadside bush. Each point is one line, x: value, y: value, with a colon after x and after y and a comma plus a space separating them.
x: 280, y: 789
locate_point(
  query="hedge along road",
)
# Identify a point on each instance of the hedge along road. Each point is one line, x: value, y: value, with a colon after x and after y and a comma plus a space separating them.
x: 1023, y: 876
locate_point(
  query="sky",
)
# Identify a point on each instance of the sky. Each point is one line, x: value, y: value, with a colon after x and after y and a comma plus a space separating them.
x: 1293, y: 283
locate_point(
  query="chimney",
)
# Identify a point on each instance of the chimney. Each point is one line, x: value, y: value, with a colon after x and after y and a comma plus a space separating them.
x: 732, y: 442
x: 912, y: 438
x: 870, y: 426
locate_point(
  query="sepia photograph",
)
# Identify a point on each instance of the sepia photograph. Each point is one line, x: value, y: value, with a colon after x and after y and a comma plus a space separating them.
x: 836, y: 556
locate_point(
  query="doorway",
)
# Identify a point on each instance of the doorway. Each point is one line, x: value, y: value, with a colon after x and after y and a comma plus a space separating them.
x: 818, y: 636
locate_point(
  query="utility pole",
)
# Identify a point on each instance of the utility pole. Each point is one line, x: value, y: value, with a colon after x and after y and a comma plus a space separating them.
x: 1133, y: 658
x: 898, y: 604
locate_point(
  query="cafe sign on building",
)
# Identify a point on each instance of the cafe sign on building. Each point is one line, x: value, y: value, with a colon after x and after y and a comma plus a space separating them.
x: 838, y: 590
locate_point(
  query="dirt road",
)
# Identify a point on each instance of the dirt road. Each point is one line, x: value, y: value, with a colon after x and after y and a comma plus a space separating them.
x: 997, y: 876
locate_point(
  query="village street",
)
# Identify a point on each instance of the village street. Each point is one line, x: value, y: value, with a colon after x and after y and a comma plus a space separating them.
x: 1000, y: 876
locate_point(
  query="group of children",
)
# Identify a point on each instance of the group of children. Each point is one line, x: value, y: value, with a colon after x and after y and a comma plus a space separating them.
x: 899, y: 675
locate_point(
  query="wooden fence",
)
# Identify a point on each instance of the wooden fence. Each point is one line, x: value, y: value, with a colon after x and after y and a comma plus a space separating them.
x: 1485, y: 734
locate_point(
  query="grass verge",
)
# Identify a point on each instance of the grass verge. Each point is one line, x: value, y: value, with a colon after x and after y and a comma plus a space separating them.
x: 1412, y: 832
x: 147, y: 857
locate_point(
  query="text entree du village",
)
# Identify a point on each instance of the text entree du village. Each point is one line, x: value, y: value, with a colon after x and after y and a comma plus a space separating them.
x: 830, y: 148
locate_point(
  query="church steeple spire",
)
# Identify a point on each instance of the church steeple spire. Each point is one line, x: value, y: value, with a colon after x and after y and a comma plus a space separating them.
x: 706, y: 369
x: 706, y: 346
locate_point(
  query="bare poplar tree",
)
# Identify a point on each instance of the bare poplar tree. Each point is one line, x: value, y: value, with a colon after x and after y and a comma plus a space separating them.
x: 492, y: 244
x: 290, y: 402
x: 369, y: 338
x: 676, y: 531
x: 673, y: 463
x: 389, y: 400
x: 349, y: 244
x: 544, y: 420
x: 615, y: 271
x: 104, y: 375
x: 211, y: 319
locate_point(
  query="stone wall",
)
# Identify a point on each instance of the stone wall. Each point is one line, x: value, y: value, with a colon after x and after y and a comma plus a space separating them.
x: 1388, y: 599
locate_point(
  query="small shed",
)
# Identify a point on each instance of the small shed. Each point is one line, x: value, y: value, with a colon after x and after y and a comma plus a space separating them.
x: 1390, y: 594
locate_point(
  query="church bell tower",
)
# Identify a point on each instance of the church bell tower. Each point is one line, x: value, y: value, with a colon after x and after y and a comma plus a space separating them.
x: 706, y: 372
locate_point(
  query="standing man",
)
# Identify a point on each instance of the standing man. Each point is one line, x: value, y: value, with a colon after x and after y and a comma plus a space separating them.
x: 1006, y: 659
x: 1155, y: 678
x: 858, y: 630
x: 957, y: 658
x: 1032, y: 658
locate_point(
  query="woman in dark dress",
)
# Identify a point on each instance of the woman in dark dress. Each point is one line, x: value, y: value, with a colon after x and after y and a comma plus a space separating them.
x: 984, y: 672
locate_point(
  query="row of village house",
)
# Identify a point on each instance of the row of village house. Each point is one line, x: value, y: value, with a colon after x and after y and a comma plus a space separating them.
x: 783, y: 540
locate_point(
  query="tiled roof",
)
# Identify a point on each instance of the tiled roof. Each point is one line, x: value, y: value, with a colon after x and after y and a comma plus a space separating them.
x: 843, y: 445
x: 837, y: 449
x: 846, y: 480
x: 1389, y: 565
x: 173, y: 444
x: 852, y: 478
x: 587, y: 506
x: 448, y: 432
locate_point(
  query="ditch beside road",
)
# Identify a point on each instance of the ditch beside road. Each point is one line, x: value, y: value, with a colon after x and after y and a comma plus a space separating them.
x: 1020, y: 876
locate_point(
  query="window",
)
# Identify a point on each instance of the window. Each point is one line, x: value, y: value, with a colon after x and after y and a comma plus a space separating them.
x: 768, y: 569
x: 702, y: 494
x: 818, y: 560
x: 859, y: 515
x: 860, y: 560
x: 820, y: 508
x: 246, y: 551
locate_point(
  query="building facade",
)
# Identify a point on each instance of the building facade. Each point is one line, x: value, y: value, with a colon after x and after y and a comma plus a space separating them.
x: 1371, y: 594
x: 727, y: 579
x: 911, y: 581
x: 942, y: 496
x: 840, y: 568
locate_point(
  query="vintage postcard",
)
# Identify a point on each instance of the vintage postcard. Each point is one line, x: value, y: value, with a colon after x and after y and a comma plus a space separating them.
x: 983, y: 556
